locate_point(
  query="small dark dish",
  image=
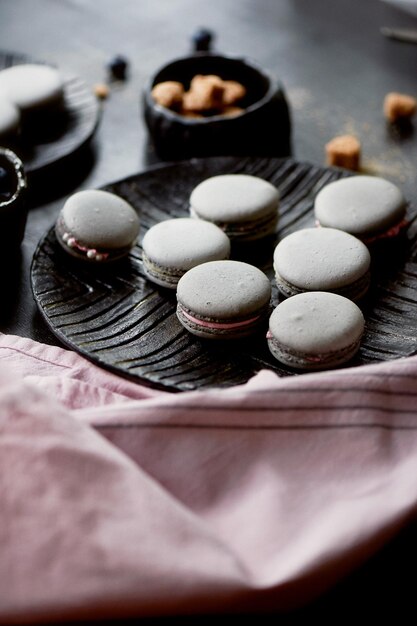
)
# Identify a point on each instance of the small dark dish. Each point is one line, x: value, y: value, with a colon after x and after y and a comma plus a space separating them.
x: 59, y: 135
x: 263, y: 129
x: 13, y: 210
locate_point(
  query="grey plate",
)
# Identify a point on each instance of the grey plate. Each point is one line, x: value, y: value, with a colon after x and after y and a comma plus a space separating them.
x: 63, y: 135
x: 119, y: 320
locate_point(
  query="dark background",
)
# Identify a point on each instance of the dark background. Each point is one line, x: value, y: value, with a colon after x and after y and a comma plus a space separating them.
x: 336, y: 68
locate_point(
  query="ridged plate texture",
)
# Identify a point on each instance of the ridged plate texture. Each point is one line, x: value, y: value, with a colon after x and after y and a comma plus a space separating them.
x: 121, y: 321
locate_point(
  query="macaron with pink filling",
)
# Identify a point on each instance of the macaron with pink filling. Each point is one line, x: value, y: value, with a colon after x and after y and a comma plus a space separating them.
x: 223, y: 299
x: 97, y: 226
x: 368, y: 207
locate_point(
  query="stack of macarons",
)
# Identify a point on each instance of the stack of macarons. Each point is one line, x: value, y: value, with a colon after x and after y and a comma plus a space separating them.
x: 24, y: 90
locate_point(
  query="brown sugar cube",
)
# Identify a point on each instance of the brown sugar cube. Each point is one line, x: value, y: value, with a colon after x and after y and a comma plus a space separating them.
x: 203, y: 79
x: 233, y: 92
x: 168, y: 94
x: 205, y: 93
x: 344, y: 151
x: 101, y: 91
x: 399, y: 106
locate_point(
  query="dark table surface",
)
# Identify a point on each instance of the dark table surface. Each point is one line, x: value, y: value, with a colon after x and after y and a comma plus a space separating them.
x: 336, y: 68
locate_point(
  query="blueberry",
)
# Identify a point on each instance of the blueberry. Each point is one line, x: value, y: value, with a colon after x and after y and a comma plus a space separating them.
x: 118, y: 67
x: 202, y: 39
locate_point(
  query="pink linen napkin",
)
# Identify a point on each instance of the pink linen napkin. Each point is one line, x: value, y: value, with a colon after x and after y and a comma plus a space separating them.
x: 120, y: 500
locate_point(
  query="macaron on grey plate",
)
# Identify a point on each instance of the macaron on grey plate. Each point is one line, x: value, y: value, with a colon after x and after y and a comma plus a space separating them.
x: 67, y: 131
x: 120, y: 320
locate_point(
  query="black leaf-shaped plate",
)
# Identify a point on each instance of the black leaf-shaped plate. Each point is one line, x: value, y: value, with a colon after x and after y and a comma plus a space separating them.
x: 65, y: 132
x: 119, y: 320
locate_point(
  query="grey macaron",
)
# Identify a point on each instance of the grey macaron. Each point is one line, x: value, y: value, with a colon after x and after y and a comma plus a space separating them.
x: 223, y: 299
x: 32, y: 86
x: 97, y: 226
x: 315, y: 330
x: 322, y: 259
x: 174, y: 246
x: 368, y: 207
x: 245, y: 207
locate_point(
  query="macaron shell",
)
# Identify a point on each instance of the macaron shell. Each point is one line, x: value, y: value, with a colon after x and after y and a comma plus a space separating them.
x: 360, y: 205
x: 224, y: 290
x: 100, y: 219
x: 183, y: 243
x: 250, y: 230
x: 321, y: 259
x: 315, y: 323
x: 234, y: 198
x: 305, y: 361
x: 31, y: 85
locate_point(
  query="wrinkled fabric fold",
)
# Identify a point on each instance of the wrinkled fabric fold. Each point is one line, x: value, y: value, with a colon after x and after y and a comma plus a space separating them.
x: 116, y: 499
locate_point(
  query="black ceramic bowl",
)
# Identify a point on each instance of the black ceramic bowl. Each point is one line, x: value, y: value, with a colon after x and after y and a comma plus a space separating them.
x: 13, y: 210
x: 262, y: 130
